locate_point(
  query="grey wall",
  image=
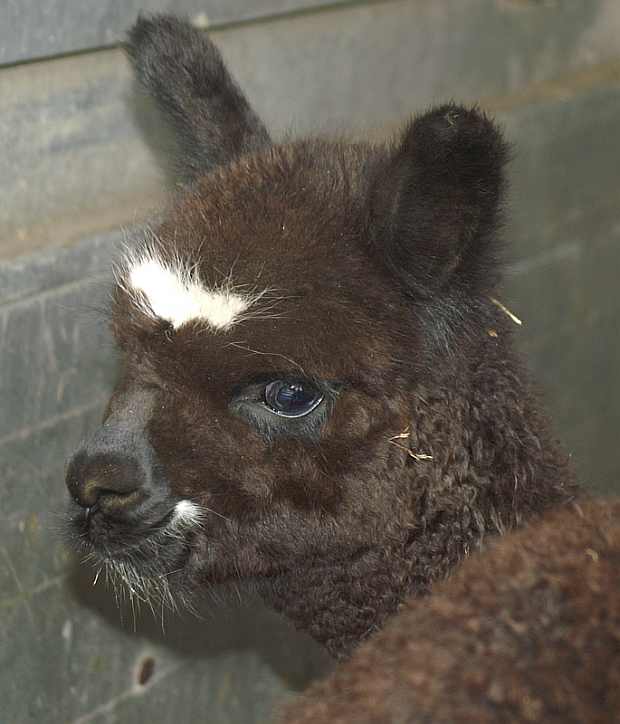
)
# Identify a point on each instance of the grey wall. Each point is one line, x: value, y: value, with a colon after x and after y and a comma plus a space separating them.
x: 81, y: 158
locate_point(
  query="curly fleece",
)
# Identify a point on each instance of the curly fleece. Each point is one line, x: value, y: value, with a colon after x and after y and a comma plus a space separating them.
x: 527, y: 631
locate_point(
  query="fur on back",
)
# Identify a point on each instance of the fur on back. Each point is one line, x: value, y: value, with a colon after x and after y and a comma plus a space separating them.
x: 528, y: 631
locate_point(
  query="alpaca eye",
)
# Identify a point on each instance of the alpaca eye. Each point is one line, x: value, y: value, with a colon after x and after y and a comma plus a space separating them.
x: 292, y: 398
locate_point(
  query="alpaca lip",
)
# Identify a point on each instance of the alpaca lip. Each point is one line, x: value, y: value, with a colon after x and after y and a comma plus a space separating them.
x: 151, y: 565
x: 100, y: 535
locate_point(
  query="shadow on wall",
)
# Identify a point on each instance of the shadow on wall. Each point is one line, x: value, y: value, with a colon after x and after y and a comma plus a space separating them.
x: 228, y: 620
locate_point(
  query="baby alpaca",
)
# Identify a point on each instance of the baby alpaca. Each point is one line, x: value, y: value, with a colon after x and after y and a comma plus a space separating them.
x: 319, y: 393
x: 526, y: 632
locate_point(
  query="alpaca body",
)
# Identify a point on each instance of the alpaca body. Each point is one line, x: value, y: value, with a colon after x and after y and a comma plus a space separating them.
x: 527, y: 631
x: 318, y: 391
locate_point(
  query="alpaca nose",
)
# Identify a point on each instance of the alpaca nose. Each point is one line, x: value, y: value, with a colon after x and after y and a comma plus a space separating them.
x: 114, y: 483
x: 116, y: 471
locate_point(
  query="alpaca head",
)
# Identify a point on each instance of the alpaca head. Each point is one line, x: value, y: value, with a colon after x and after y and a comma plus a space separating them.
x: 298, y: 338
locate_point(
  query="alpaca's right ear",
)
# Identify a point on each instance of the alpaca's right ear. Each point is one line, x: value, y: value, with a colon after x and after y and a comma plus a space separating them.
x: 436, y: 203
x: 183, y: 71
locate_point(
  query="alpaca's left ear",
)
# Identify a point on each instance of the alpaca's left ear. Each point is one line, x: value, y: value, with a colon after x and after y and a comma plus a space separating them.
x: 435, y: 204
x: 185, y: 74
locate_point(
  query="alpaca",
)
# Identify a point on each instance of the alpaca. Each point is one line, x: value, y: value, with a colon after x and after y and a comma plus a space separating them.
x: 526, y: 632
x: 319, y: 394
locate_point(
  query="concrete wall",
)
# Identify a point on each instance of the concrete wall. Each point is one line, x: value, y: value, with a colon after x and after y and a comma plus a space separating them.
x: 81, y: 158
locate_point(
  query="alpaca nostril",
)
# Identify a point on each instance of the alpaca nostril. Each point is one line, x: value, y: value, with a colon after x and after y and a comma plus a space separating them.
x: 111, y: 502
x: 106, y: 482
x: 89, y: 493
x: 106, y: 500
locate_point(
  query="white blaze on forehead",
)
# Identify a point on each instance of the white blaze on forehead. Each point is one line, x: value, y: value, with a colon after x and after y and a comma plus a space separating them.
x: 175, y: 293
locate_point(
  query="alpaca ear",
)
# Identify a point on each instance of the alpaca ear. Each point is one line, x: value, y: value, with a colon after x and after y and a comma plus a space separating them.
x: 436, y: 203
x: 184, y: 72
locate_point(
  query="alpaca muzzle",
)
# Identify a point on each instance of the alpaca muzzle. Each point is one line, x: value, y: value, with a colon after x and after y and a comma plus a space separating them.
x: 115, y: 473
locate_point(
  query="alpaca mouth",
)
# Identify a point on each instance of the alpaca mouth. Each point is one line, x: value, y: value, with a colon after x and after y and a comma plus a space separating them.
x: 145, y: 565
x: 111, y: 537
x: 143, y: 543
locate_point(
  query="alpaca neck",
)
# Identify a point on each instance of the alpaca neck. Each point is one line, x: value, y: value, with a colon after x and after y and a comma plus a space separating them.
x: 505, y: 475
x: 340, y: 604
x: 490, y: 464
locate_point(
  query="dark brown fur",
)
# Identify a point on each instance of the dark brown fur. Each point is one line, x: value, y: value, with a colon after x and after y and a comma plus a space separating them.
x: 382, y: 263
x: 528, y: 631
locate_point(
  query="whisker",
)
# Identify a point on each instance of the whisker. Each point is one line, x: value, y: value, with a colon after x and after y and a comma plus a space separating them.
x: 216, y: 513
x: 267, y: 354
x: 97, y: 576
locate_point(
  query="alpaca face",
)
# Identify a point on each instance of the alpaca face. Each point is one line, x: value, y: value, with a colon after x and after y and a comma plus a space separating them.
x: 274, y: 330
x: 261, y: 382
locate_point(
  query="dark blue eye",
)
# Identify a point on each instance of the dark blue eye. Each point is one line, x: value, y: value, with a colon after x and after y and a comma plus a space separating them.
x: 292, y: 398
